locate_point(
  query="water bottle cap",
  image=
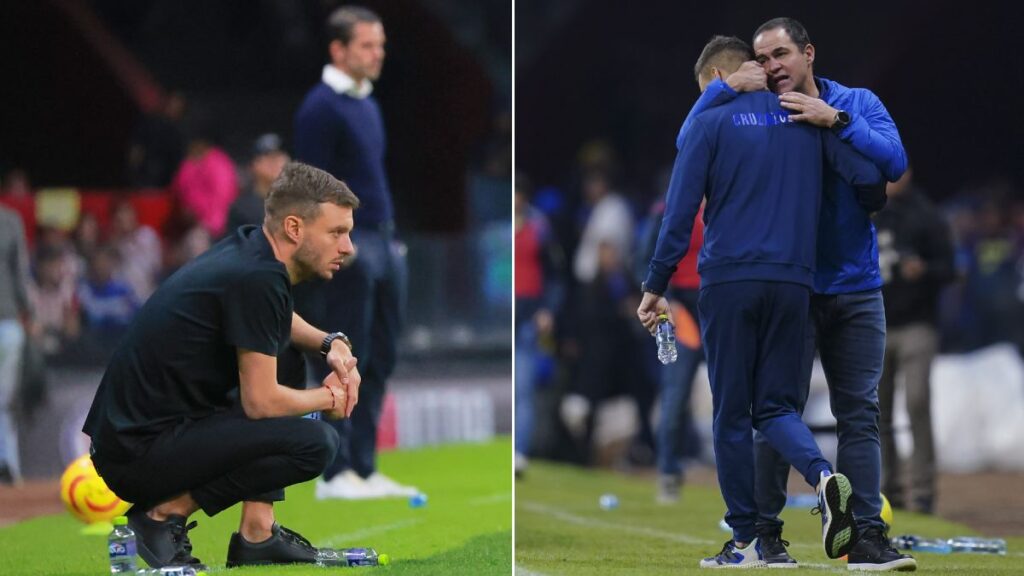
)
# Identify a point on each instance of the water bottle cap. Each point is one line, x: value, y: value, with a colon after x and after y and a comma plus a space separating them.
x: 384, y: 559
x: 120, y: 521
x: 662, y: 317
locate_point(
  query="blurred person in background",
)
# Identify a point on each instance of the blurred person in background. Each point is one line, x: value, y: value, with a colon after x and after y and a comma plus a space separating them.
x: 676, y: 432
x: 108, y: 304
x: 610, y: 363
x: 157, y: 145
x: 265, y: 165
x: 139, y: 249
x: 16, y: 184
x: 15, y: 315
x: 610, y: 221
x: 85, y: 238
x: 915, y: 255
x: 205, y: 184
x: 56, y: 306
x: 339, y: 128
x: 539, y: 290
x: 71, y: 267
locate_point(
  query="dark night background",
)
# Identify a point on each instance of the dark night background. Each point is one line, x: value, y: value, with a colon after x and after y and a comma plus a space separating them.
x: 949, y: 73
x: 66, y: 115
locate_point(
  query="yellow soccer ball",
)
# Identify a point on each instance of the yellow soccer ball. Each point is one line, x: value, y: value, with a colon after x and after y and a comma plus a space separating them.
x: 886, y: 511
x: 86, y: 494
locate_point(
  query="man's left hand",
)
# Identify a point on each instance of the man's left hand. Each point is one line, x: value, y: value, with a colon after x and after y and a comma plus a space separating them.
x: 811, y: 110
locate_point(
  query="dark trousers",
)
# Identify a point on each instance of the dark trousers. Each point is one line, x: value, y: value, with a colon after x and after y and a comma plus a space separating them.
x: 849, y: 331
x: 753, y: 334
x: 223, y: 459
x: 365, y: 301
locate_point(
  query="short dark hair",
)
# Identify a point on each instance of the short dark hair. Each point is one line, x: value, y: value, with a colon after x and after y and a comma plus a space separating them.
x: 342, y: 22
x: 720, y: 51
x: 797, y: 32
x: 300, y: 189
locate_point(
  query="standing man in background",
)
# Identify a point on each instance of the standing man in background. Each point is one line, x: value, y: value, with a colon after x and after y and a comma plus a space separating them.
x: 915, y: 252
x: 14, y: 311
x: 339, y: 128
x: 268, y: 159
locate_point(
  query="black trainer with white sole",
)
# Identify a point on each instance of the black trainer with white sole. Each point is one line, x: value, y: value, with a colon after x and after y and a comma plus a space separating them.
x: 874, y: 553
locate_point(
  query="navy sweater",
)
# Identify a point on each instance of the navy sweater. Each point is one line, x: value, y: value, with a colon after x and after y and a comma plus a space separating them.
x: 762, y: 176
x: 345, y: 136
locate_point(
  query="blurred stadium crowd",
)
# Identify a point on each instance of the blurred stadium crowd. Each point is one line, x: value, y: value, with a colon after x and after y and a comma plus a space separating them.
x: 585, y: 243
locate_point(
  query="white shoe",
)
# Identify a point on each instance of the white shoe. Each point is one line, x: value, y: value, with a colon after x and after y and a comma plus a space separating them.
x: 385, y: 486
x: 733, y: 557
x: 521, y: 463
x: 346, y: 486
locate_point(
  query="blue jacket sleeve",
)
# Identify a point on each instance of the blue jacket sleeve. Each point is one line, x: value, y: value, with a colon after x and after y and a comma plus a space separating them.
x: 716, y: 94
x: 314, y: 138
x: 685, y: 192
x: 873, y: 133
x: 858, y: 171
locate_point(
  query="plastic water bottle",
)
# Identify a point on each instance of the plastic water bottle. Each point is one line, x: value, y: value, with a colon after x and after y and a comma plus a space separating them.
x: 666, y: 337
x: 921, y: 544
x: 121, y: 545
x: 978, y: 545
x: 351, y: 557
x: 608, y: 502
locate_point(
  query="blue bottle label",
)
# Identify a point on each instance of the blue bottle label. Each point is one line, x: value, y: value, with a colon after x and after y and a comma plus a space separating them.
x: 122, y: 549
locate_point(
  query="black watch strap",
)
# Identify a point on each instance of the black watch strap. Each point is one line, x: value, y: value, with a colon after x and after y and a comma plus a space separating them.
x: 842, y: 120
x: 325, y: 346
x: 645, y: 288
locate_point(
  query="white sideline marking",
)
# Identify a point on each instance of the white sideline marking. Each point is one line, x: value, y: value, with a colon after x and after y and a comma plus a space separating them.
x: 585, y: 521
x: 359, y: 534
x: 491, y: 499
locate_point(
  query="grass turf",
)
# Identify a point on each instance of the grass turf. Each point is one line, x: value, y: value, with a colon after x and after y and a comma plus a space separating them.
x: 561, y: 530
x: 465, y: 528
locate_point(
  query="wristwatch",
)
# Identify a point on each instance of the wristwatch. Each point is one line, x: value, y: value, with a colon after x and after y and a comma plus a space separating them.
x: 645, y: 288
x: 325, y: 346
x: 842, y: 120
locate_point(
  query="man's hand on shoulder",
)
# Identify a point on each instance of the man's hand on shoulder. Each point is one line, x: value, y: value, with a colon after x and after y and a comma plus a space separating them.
x: 811, y: 110
x: 750, y: 77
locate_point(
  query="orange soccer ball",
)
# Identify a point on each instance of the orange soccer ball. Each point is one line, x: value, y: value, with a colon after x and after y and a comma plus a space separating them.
x: 86, y: 494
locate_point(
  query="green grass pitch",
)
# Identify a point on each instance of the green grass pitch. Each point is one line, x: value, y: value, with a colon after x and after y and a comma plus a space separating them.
x: 465, y: 528
x: 561, y: 531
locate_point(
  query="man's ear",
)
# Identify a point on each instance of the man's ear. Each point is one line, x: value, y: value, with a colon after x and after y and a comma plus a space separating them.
x: 293, y: 228
x: 809, y: 53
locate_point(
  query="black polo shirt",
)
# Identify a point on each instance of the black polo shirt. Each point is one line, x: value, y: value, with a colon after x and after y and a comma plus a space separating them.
x: 179, y: 359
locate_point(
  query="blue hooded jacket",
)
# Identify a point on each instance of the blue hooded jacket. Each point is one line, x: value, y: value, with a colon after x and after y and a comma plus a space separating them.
x: 847, y: 256
x: 762, y: 176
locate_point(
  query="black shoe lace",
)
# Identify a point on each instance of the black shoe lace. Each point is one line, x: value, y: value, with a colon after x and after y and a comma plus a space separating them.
x: 296, y: 538
x: 770, y: 541
x: 727, y: 549
x: 880, y: 538
x: 179, y: 535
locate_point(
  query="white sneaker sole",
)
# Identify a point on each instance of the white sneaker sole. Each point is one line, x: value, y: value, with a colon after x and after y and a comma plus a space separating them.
x: 901, y: 565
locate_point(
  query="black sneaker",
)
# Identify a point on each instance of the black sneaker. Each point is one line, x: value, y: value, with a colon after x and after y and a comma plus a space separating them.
x: 163, y: 543
x: 873, y: 552
x: 283, y: 547
x: 773, y: 550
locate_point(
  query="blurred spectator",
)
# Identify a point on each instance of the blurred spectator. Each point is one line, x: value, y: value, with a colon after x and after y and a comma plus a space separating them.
x: 539, y: 265
x: 54, y: 300
x: 206, y: 184
x: 86, y: 239
x: 268, y: 159
x: 157, y: 146
x: 915, y: 254
x: 16, y: 184
x: 611, y: 364
x: 108, y: 304
x: 139, y: 250
x: 610, y: 222
x: 15, y: 313
x: 71, y: 267
x: 676, y: 432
